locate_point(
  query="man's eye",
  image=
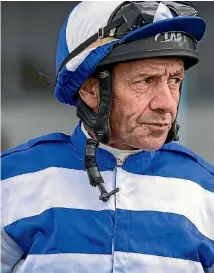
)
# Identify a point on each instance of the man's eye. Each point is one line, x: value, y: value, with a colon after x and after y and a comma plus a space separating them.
x: 174, y: 81
x: 148, y: 80
x: 145, y: 80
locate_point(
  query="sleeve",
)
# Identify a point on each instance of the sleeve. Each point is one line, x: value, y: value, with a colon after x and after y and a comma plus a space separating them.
x: 209, y: 270
x: 10, y: 253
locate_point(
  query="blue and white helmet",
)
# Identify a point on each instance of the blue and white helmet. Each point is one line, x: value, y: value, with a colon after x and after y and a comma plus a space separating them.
x: 170, y: 24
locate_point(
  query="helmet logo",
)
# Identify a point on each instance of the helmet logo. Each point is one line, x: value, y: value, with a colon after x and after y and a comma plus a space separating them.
x: 177, y: 37
x: 103, y: 74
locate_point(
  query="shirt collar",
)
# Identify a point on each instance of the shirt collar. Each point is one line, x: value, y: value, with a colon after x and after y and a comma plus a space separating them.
x: 120, y: 155
x: 104, y: 154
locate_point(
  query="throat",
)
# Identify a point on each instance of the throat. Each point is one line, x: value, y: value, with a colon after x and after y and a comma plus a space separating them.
x: 121, y: 146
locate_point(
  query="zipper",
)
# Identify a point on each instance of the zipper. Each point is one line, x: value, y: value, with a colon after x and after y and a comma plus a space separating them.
x: 121, y: 161
x: 115, y: 202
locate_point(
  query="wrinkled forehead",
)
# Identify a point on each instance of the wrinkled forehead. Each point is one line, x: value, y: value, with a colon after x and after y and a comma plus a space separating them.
x: 151, y: 66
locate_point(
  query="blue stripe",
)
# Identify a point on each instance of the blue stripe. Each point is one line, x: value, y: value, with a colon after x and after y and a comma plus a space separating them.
x: 69, y: 82
x: 54, y: 150
x: 59, y: 150
x: 61, y: 230
x: 176, y: 148
x: 62, y: 47
x: 193, y: 25
x: 171, y: 163
x: 172, y: 160
x: 53, y: 137
x: 163, y: 234
x: 41, y: 157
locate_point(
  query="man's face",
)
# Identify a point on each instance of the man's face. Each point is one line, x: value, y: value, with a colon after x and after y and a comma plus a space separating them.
x: 146, y: 96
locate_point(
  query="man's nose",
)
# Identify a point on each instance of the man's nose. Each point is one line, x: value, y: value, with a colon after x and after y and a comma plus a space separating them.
x: 163, y: 99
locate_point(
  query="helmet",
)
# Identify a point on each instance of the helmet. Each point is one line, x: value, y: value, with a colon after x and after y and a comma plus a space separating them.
x: 90, y: 45
x: 120, y: 32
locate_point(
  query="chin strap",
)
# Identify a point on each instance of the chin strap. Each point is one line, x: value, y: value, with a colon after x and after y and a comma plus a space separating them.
x: 173, y: 133
x: 98, y: 123
x: 94, y: 175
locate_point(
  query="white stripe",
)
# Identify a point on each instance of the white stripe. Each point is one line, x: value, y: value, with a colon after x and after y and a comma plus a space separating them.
x: 82, y: 24
x: 67, y: 263
x: 154, y: 193
x: 31, y: 194
x: 76, y: 61
x: 141, y: 263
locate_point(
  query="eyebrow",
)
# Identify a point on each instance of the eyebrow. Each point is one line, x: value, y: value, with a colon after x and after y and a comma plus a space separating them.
x: 150, y: 74
x: 178, y: 72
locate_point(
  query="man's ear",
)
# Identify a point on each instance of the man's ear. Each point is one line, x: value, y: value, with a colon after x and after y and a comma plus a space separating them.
x: 89, y: 93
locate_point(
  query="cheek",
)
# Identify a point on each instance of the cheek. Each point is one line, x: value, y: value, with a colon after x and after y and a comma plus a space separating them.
x: 118, y: 111
x: 127, y: 103
x: 177, y: 101
x: 177, y: 97
x: 126, y: 110
x: 175, y: 92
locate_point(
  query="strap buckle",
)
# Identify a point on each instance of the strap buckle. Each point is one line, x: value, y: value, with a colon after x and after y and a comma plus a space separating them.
x: 100, y: 33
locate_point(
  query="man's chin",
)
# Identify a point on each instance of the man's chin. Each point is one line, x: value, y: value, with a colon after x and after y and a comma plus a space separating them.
x: 152, y: 144
x: 153, y: 147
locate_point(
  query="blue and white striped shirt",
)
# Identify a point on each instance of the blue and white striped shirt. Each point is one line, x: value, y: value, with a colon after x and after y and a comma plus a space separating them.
x: 161, y: 220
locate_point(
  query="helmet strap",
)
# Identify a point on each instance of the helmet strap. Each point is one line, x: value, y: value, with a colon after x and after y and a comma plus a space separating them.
x: 173, y: 132
x: 98, y: 123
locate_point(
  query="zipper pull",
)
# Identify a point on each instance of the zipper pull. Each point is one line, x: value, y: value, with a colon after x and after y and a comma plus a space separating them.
x: 121, y: 161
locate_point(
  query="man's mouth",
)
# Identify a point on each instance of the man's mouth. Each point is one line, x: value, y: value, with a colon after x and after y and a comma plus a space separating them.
x: 158, y: 126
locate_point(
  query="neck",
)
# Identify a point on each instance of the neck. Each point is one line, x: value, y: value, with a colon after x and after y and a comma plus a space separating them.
x: 112, y: 143
x: 121, y: 146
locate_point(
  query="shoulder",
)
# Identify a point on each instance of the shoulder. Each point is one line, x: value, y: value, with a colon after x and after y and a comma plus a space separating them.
x: 52, y: 150
x: 176, y: 161
x: 183, y: 155
x: 29, y: 145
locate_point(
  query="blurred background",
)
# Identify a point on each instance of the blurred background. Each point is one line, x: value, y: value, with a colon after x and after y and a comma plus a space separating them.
x: 29, y: 37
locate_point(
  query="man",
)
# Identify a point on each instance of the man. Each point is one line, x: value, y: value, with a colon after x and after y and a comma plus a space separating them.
x: 139, y: 202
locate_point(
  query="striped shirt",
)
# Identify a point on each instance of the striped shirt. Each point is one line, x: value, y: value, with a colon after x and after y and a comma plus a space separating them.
x: 161, y: 220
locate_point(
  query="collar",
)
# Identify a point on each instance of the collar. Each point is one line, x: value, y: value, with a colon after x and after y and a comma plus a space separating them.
x: 120, y: 155
x: 105, y: 155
